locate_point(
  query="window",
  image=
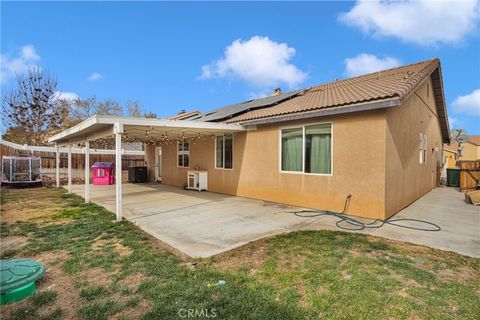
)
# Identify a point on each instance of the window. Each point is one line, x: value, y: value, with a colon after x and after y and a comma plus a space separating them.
x: 307, y: 149
x: 183, y: 153
x: 224, y: 152
x: 292, y: 149
x: 423, y: 148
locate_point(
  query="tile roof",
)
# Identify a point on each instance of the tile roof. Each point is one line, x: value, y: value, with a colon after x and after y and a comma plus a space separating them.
x: 393, y: 83
x: 185, y: 115
x: 453, y: 146
x: 474, y: 140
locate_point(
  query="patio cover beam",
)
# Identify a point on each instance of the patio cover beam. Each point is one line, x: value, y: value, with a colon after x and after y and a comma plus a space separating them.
x: 99, y: 126
x: 69, y: 171
x: 118, y: 128
x: 87, y: 171
x: 57, y: 165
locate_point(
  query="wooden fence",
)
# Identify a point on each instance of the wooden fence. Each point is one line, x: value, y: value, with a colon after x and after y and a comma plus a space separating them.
x: 469, y: 174
x: 48, y: 155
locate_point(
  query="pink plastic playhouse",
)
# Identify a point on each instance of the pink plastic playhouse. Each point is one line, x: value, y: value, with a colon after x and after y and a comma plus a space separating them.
x: 103, y: 173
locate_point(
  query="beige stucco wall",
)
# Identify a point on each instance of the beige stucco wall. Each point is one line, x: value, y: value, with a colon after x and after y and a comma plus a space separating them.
x: 375, y: 158
x: 358, y: 167
x: 150, y: 161
x: 470, y: 151
x: 450, y: 159
x: 407, y: 179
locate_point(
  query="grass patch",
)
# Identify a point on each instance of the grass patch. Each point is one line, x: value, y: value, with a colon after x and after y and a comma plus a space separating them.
x: 102, y: 269
x: 94, y: 292
x: 99, y: 311
x: 55, y: 314
x: 43, y: 298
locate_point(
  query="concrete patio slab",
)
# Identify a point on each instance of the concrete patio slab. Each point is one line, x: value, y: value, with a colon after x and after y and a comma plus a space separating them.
x: 202, y: 224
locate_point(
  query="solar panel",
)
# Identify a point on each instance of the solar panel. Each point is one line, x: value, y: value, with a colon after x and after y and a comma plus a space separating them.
x: 234, y: 109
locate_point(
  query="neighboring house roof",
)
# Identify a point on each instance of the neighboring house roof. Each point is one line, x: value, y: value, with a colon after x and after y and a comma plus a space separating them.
x: 452, y: 147
x: 191, y: 115
x: 389, y: 86
x: 474, y: 140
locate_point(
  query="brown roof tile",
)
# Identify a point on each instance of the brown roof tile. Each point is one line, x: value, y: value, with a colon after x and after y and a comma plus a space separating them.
x: 474, y: 139
x: 453, y: 146
x: 183, y: 115
x: 397, y: 82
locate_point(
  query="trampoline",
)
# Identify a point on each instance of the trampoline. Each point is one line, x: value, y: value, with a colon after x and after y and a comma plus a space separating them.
x: 21, y: 172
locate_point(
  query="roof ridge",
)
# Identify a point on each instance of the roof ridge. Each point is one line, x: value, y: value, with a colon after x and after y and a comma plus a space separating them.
x: 419, y: 76
x: 368, y: 76
x: 403, y: 90
x: 395, y: 68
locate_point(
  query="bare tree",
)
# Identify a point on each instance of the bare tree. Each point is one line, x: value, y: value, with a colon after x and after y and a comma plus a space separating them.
x: 110, y: 107
x: 81, y: 109
x: 32, y: 105
x: 134, y: 108
x: 150, y: 115
x: 15, y: 134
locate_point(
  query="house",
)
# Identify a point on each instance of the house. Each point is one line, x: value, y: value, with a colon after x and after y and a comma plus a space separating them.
x: 378, y: 137
x: 470, y: 150
x: 450, y: 155
x: 184, y: 115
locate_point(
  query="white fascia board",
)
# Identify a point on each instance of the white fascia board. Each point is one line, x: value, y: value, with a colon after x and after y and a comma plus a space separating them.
x: 187, y: 124
x: 75, y: 129
x: 129, y: 121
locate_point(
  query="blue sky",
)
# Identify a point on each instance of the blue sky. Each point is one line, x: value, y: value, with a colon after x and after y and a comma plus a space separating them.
x: 174, y: 56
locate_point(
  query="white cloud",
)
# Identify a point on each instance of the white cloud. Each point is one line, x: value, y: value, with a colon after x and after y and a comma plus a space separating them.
x: 259, y: 61
x: 454, y: 122
x: 257, y: 95
x: 69, y: 96
x: 26, y: 58
x: 468, y: 104
x: 367, y: 63
x: 95, y: 76
x: 28, y: 53
x: 423, y: 22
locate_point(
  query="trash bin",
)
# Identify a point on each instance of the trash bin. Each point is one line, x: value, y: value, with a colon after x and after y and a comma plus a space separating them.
x: 137, y: 174
x: 453, y: 177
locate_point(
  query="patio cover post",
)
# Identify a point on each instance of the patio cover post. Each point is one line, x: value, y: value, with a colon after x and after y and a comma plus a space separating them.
x: 69, y: 171
x: 57, y: 165
x: 87, y: 171
x: 118, y: 130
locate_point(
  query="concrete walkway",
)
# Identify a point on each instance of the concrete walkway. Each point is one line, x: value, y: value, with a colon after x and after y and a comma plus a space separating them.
x: 446, y: 207
x: 202, y: 224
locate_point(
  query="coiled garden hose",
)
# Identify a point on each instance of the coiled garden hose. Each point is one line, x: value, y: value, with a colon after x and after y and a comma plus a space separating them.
x: 353, y: 224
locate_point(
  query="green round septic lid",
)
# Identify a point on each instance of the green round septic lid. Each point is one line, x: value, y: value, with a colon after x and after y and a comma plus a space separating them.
x: 17, y: 273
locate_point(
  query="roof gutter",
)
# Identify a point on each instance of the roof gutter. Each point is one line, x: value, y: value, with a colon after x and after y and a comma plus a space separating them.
x: 389, y: 103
